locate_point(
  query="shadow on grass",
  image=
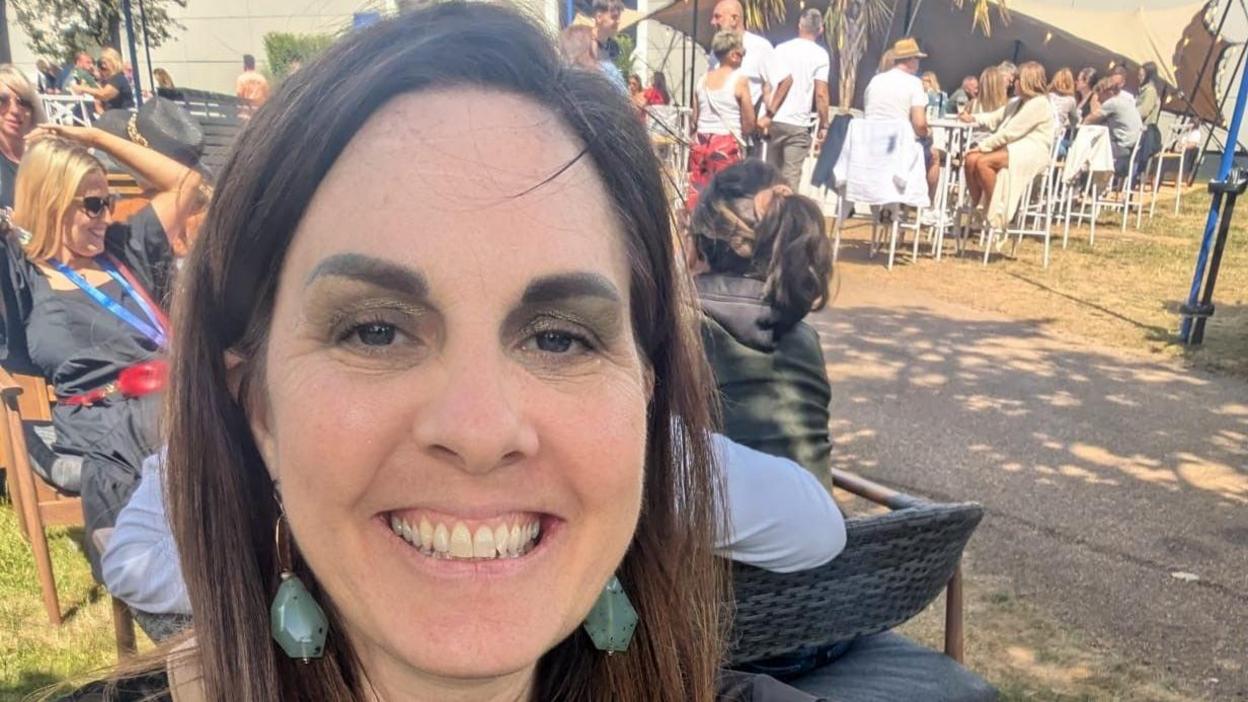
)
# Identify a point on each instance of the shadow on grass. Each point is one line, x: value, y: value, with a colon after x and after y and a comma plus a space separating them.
x: 27, y: 686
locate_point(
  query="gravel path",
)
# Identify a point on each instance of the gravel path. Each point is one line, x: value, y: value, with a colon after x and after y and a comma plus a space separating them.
x: 1116, y: 486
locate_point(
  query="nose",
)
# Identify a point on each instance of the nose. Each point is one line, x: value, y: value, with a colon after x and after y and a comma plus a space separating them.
x: 475, y: 418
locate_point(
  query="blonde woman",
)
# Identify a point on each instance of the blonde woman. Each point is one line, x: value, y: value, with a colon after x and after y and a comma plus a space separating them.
x: 1021, y: 140
x: 21, y: 109
x: 993, y: 92
x: 114, y: 92
x: 84, y: 304
x: 936, y: 97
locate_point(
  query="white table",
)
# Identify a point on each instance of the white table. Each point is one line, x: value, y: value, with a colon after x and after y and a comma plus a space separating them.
x: 953, y: 138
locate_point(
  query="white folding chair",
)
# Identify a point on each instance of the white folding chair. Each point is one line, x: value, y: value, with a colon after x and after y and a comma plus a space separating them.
x: 861, y: 173
x: 69, y: 110
x: 1173, y: 150
x: 1097, y: 192
x: 1035, y: 213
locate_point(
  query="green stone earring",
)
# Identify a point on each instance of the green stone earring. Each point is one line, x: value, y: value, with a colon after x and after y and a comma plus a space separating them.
x: 612, y: 621
x: 296, y: 621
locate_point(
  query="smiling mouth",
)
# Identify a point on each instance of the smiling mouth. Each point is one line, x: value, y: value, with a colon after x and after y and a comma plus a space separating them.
x: 506, y: 537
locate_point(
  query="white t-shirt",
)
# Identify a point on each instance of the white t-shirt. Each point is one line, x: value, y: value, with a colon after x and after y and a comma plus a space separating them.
x: 891, y: 94
x: 759, y: 65
x: 807, y: 62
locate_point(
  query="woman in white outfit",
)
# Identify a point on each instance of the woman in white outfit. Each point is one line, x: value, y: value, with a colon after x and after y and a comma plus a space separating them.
x: 1021, y: 141
x: 722, y: 115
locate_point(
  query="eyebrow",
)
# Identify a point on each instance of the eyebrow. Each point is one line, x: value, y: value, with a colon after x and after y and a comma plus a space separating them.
x: 374, y: 271
x: 553, y: 288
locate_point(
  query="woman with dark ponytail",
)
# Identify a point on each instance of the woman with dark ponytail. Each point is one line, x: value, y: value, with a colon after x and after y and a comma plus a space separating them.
x: 763, y: 264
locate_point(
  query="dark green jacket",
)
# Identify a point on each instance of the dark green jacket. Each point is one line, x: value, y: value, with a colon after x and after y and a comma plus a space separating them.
x: 773, y: 385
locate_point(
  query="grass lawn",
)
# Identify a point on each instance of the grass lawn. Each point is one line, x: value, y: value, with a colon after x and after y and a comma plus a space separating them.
x: 1124, y: 291
x: 33, y: 653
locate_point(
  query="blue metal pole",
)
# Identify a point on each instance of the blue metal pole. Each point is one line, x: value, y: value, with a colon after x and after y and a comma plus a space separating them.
x: 1211, y: 222
x: 571, y: 9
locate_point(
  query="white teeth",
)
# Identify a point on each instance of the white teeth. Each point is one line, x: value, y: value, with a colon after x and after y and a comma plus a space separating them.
x: 441, y: 539
x: 502, y: 538
x: 516, y: 541
x: 458, y: 542
x: 483, y: 543
x: 461, y: 541
x: 426, y: 534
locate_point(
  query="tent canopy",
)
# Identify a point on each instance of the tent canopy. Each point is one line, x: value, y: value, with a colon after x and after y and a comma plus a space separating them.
x: 1175, y: 38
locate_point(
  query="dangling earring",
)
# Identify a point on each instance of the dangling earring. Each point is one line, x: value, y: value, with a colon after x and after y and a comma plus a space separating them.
x: 612, y: 621
x: 296, y: 621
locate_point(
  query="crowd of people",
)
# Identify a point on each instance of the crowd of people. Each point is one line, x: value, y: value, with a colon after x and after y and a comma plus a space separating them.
x: 415, y: 423
x: 551, y: 432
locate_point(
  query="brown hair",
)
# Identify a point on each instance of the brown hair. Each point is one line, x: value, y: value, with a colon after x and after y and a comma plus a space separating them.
x: 220, y: 495
x: 992, y: 90
x: 1063, y: 82
x: 1032, y: 80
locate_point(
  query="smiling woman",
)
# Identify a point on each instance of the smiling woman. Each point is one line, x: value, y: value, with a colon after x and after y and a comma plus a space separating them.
x: 434, y: 337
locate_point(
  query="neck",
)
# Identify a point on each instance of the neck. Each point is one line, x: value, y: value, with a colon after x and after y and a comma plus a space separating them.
x: 12, y: 147
x: 73, y: 260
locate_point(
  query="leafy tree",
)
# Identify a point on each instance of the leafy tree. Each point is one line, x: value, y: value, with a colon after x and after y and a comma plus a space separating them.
x: 61, y: 28
x: 284, y: 49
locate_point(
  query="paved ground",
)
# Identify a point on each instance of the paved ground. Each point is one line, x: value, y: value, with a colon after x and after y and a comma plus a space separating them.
x: 1103, y: 473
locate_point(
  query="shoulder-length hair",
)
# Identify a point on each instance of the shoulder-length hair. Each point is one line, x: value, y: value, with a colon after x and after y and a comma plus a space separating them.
x: 220, y: 495
x: 13, y: 78
x: 1032, y: 80
x: 48, y: 178
x: 1063, y: 82
x: 111, y: 60
x: 992, y: 90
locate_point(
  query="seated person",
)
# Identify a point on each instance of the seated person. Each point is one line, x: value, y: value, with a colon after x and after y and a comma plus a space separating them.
x: 898, y: 94
x: 763, y: 265
x: 83, y: 298
x: 1021, y: 140
x: 434, y: 430
x: 1116, y: 110
x: 769, y: 499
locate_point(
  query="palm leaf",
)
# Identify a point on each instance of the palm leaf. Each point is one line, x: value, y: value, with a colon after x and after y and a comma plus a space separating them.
x: 980, y: 17
x: 759, y: 14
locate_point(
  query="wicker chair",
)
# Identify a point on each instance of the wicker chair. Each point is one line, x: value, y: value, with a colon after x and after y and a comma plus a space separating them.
x: 893, y: 566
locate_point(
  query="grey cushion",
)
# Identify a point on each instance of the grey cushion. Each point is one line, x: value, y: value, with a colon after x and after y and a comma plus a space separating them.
x: 889, y: 667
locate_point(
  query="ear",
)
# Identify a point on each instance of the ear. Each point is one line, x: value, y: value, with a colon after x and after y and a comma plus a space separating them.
x: 255, y: 407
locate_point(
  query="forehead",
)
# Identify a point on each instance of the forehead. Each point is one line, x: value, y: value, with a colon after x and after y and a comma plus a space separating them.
x: 451, y: 182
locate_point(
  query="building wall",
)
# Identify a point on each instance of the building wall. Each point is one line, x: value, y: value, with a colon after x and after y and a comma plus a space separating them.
x: 208, y: 53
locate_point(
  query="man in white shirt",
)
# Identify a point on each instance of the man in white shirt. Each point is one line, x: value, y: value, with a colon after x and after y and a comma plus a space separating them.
x: 898, y: 94
x: 769, y: 80
x: 806, y: 104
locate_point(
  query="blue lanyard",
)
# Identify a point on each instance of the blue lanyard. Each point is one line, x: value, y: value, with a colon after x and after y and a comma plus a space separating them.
x: 150, y: 327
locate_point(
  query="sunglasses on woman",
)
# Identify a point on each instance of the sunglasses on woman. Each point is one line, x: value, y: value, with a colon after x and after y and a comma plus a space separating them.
x: 95, y: 205
x: 6, y: 99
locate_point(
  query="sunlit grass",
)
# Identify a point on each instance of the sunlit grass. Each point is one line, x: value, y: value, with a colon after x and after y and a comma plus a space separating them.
x: 33, y: 653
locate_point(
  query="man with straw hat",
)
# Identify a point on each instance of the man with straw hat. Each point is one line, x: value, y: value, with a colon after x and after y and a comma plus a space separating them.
x: 898, y: 94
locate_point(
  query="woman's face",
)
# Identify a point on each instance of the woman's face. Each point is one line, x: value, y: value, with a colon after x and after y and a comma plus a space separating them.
x: 634, y: 85
x: 84, y: 232
x: 16, y: 114
x: 454, y: 403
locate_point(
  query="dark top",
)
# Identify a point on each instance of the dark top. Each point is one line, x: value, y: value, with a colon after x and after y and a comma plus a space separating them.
x: 125, y: 94
x: 733, y: 687
x: 773, y: 386
x: 8, y: 181
x: 76, y: 344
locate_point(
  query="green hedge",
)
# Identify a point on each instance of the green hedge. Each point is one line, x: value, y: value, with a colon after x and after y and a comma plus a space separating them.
x: 284, y: 48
